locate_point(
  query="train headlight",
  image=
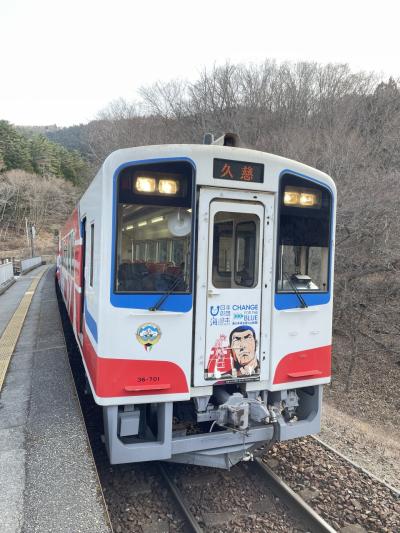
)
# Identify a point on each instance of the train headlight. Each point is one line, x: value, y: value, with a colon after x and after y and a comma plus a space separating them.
x: 168, y: 186
x: 308, y: 199
x: 145, y: 184
x: 291, y: 197
x: 299, y: 197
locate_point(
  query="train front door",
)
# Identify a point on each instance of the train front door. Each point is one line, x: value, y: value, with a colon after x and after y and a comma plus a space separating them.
x: 233, y: 288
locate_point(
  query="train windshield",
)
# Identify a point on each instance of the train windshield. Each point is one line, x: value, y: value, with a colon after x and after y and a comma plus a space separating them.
x: 154, y: 223
x: 304, y: 236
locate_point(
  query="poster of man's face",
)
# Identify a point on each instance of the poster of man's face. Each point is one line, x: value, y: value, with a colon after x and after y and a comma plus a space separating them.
x: 242, y: 341
x: 234, y: 357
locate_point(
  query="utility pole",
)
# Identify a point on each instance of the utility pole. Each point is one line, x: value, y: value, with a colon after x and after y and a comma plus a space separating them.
x: 27, y: 231
x: 32, y: 235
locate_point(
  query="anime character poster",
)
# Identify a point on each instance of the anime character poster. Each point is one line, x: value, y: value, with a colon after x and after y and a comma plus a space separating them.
x: 234, y: 353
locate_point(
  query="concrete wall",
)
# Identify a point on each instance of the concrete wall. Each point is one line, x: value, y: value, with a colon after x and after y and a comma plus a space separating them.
x: 29, y: 264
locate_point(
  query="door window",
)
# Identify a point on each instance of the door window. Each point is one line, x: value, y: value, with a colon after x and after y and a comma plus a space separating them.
x: 245, y: 254
x: 235, y: 250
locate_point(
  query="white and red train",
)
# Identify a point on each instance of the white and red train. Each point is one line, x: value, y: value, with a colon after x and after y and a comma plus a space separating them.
x: 199, y: 282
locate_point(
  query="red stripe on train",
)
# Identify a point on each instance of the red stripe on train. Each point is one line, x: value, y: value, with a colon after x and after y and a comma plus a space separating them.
x: 307, y: 364
x: 125, y: 377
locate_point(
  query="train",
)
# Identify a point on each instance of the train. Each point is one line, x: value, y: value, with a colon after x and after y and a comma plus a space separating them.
x: 198, y: 279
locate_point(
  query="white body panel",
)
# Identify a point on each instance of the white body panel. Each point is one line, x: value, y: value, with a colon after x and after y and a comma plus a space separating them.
x: 282, y: 331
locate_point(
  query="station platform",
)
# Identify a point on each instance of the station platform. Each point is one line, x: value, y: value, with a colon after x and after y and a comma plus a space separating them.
x: 48, y: 479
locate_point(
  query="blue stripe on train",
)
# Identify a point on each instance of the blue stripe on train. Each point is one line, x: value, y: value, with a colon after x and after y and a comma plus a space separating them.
x: 291, y: 301
x: 91, y: 323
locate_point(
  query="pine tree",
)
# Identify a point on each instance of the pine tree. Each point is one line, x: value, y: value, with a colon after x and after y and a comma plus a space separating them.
x: 14, y: 148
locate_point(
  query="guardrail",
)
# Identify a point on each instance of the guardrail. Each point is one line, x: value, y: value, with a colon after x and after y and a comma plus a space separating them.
x: 6, y: 273
x: 29, y: 264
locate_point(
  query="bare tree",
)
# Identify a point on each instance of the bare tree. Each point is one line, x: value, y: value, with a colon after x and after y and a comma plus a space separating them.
x: 44, y: 202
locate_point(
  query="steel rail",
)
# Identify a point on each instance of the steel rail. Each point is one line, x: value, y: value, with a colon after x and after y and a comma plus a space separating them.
x: 191, y: 522
x: 309, y: 517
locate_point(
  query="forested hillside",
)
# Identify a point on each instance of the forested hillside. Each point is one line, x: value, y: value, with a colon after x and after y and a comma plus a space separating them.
x: 33, y: 152
x: 39, y: 184
x: 342, y: 122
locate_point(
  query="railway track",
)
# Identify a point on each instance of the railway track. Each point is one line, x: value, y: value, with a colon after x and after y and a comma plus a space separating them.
x: 298, y: 508
x: 305, y: 518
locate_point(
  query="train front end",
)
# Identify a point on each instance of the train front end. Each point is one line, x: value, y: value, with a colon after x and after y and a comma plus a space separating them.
x: 214, y: 313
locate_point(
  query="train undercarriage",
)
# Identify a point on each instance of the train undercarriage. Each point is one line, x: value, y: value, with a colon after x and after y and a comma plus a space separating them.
x: 216, y: 431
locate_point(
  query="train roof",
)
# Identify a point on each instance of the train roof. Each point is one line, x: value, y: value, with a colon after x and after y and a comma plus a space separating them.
x: 202, y: 156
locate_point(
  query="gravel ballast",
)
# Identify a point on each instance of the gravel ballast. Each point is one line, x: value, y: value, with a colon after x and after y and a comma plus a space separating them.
x: 373, y: 446
x: 341, y: 493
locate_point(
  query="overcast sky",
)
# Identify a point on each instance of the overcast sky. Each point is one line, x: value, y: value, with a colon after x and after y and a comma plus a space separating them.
x: 63, y: 61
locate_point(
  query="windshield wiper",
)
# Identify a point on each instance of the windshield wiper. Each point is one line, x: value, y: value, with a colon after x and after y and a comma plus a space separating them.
x: 165, y: 295
x: 296, y: 291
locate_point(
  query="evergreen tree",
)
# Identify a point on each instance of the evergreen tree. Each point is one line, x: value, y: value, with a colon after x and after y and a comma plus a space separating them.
x: 14, y: 148
x: 34, y: 152
x: 44, y: 157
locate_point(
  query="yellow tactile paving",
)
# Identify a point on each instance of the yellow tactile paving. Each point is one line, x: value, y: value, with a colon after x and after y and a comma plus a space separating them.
x: 10, y: 335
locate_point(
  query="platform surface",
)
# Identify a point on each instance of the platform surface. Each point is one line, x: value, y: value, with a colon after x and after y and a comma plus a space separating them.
x: 11, y: 298
x: 48, y: 481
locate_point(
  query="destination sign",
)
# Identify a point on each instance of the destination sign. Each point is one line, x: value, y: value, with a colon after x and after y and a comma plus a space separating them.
x: 224, y: 169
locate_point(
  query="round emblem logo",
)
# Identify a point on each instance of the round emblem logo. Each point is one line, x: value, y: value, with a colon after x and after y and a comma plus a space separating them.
x: 148, y: 335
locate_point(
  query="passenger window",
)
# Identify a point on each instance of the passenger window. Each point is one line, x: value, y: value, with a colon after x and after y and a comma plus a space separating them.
x: 91, y: 254
x: 235, y: 250
x: 73, y: 253
x: 163, y: 250
x: 69, y: 253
